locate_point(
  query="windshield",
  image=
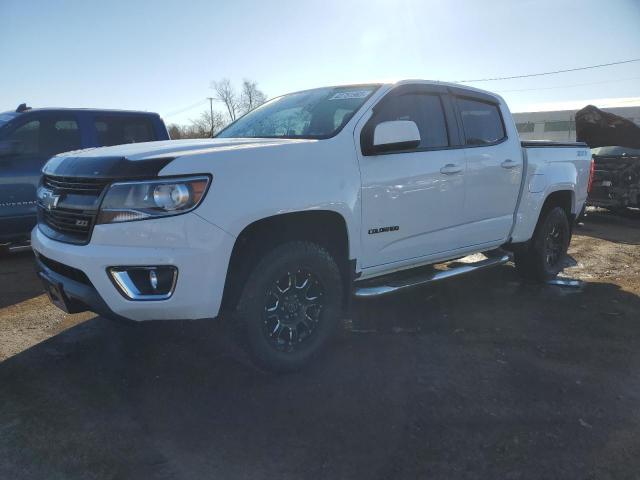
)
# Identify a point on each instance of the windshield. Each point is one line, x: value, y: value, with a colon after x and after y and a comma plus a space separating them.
x: 318, y: 113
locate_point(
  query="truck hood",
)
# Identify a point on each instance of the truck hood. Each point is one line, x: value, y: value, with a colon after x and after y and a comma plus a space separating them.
x: 143, y: 160
x: 178, y: 148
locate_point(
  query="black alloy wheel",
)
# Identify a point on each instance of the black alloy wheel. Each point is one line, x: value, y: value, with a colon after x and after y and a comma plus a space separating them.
x: 554, y: 244
x: 543, y: 258
x: 291, y: 305
x: 293, y: 309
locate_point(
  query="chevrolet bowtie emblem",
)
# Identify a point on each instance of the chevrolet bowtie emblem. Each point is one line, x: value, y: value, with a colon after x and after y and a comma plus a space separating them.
x: 48, y: 199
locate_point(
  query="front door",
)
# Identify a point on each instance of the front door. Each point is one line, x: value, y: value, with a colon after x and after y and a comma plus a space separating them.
x: 412, y: 200
x: 38, y: 137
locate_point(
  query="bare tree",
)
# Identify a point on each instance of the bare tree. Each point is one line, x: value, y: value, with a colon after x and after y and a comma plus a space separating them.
x: 206, y: 126
x: 226, y: 94
x: 211, y: 121
x: 175, y: 131
x: 200, y: 127
x: 251, y: 96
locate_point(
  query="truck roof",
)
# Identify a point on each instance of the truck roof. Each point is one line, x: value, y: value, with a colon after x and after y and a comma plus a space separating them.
x: 458, y: 86
x: 409, y: 81
x: 66, y: 109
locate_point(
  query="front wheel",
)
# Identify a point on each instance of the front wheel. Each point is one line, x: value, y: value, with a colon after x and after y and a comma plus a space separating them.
x: 291, y: 305
x: 544, y: 258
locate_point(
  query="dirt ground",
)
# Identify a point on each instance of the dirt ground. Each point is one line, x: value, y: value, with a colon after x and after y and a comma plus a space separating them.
x: 477, y: 377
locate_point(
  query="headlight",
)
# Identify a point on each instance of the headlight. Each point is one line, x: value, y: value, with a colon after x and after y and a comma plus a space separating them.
x: 128, y: 201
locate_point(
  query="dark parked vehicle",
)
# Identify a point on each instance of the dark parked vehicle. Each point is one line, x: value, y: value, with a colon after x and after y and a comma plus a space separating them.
x: 615, y: 146
x: 29, y: 137
x: 616, y: 179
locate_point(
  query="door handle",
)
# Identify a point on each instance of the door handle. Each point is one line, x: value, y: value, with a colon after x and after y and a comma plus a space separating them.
x: 450, y: 169
x: 508, y: 163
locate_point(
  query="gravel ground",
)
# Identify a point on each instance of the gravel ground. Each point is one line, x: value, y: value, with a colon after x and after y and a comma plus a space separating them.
x: 477, y: 377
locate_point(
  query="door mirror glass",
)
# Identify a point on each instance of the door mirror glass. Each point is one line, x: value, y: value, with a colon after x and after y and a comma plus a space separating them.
x: 396, y: 135
x: 9, y: 147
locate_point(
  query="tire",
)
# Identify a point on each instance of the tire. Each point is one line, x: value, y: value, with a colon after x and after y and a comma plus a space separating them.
x: 543, y: 259
x: 291, y: 305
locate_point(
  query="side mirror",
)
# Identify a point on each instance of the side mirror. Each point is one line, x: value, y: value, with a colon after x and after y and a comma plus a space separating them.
x: 9, y: 147
x: 395, y: 135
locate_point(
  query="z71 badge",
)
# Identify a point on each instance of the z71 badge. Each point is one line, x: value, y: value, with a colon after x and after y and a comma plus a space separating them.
x: 383, y: 229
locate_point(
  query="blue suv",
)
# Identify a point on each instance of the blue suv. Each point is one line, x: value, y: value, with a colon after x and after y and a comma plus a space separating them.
x: 29, y: 137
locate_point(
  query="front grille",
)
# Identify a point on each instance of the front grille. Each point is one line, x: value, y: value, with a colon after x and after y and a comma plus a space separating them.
x: 69, y: 221
x: 86, y: 186
x: 72, y: 217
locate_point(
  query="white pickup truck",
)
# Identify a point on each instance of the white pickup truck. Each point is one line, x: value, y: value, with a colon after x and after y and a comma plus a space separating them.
x: 299, y: 205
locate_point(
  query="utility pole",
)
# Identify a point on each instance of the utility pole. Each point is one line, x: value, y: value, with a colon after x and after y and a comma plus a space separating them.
x: 211, y: 110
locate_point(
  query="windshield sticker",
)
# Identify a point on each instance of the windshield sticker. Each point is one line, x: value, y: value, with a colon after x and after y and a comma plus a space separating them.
x: 351, y: 94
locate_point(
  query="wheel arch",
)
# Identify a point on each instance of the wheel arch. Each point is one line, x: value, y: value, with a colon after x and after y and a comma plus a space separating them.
x: 564, y: 198
x: 534, y: 205
x: 327, y: 228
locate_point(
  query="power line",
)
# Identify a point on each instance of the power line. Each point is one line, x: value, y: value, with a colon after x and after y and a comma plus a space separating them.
x: 184, y: 109
x: 589, y: 67
x: 550, y: 73
x: 569, y: 86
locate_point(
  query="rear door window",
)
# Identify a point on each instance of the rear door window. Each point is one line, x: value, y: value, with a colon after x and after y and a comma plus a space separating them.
x: 62, y: 135
x: 481, y: 121
x: 118, y: 130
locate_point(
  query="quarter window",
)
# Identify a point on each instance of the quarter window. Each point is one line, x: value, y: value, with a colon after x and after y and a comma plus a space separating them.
x: 423, y: 109
x: 481, y: 121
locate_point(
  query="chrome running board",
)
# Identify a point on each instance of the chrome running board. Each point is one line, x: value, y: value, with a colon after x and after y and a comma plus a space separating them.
x: 20, y: 248
x: 400, y: 281
x: 15, y: 247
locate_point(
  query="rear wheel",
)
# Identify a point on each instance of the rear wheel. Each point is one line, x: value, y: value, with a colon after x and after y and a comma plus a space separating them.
x: 291, y: 305
x: 544, y: 258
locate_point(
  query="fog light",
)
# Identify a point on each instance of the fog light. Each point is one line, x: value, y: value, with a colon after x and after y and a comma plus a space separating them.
x: 144, y: 283
x: 153, y: 279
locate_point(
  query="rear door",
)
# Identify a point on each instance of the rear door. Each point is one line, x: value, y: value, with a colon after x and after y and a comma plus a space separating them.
x: 494, y: 168
x: 412, y: 200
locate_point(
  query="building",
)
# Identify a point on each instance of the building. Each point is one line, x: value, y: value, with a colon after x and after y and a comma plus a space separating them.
x: 560, y: 126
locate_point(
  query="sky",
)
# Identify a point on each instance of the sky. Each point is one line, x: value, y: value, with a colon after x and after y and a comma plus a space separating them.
x: 162, y: 55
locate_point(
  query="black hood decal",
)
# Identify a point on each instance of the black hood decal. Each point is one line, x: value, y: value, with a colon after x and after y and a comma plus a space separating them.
x: 108, y: 168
